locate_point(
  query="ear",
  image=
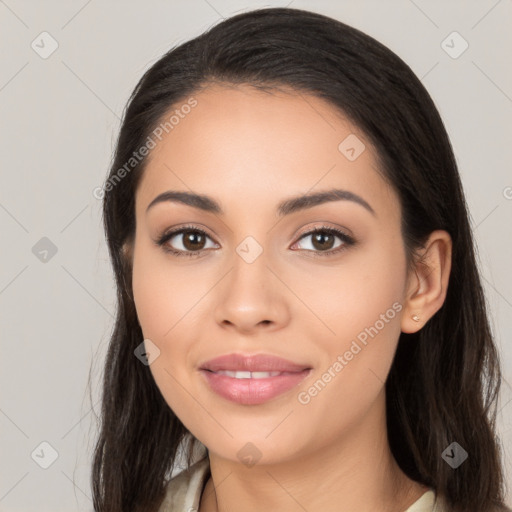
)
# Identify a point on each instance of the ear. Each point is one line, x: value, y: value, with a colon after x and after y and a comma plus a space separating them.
x: 427, y: 282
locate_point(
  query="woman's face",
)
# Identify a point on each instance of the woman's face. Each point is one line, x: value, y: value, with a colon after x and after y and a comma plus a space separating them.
x: 261, y: 283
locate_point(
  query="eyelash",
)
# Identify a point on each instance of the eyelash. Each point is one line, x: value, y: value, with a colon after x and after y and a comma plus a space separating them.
x: 164, y: 237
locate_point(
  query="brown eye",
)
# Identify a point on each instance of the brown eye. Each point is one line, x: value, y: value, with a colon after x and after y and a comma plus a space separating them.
x: 193, y: 240
x: 186, y: 241
x: 323, y: 240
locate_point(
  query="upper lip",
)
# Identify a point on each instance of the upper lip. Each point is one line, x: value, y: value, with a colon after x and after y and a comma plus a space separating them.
x: 252, y: 363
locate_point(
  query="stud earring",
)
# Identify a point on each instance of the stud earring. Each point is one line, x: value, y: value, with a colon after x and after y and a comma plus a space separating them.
x: 416, y: 318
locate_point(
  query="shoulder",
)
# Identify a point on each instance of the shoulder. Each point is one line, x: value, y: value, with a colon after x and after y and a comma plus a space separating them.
x: 183, y: 491
x: 429, y: 501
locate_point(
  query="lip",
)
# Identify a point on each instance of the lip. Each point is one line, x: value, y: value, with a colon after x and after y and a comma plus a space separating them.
x: 252, y: 391
x: 252, y: 363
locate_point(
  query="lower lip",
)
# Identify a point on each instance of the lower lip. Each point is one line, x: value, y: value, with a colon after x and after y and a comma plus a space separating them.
x: 253, y: 391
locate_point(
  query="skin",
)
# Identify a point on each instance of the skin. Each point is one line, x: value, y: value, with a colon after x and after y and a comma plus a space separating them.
x: 249, y: 150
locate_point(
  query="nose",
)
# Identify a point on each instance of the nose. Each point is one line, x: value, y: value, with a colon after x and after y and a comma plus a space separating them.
x: 252, y: 298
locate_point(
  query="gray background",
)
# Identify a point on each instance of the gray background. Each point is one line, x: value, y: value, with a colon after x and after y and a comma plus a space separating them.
x: 59, y: 119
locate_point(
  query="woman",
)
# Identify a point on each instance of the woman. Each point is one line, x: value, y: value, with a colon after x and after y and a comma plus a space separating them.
x: 298, y: 294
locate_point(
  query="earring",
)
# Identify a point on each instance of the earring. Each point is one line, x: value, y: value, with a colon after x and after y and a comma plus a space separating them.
x: 416, y: 318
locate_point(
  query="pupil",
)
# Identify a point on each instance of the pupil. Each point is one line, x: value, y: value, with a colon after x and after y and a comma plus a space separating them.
x: 192, y: 239
x: 319, y: 241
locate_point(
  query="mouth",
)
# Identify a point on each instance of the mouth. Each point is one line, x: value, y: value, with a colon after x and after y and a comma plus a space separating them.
x: 252, y: 380
x: 250, y: 375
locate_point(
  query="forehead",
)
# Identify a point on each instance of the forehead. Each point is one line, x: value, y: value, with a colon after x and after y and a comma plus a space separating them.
x: 251, y: 145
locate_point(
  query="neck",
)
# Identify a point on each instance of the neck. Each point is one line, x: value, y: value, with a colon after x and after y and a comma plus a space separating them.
x: 354, y: 472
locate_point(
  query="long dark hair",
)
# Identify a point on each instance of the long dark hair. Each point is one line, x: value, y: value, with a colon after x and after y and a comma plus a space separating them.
x: 444, y: 381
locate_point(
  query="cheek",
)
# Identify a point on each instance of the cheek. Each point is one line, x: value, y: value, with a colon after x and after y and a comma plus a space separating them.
x: 167, y: 301
x: 364, y: 313
x: 365, y: 290
x: 163, y: 293
x: 363, y: 308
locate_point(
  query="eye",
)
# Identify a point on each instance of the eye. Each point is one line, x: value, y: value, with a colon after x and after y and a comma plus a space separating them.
x: 192, y: 241
x: 323, y: 240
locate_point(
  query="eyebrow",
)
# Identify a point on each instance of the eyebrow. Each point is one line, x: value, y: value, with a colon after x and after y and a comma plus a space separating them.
x: 286, y: 207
